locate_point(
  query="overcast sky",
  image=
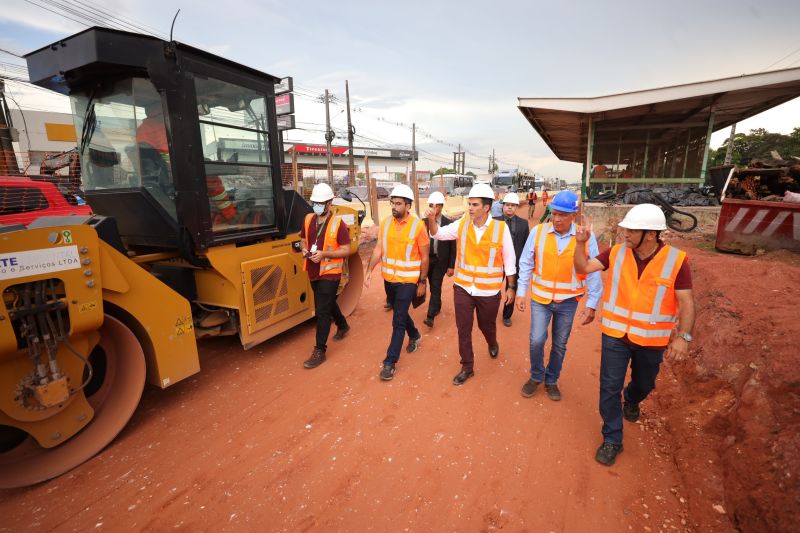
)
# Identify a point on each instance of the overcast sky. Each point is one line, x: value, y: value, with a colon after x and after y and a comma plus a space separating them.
x: 456, y: 68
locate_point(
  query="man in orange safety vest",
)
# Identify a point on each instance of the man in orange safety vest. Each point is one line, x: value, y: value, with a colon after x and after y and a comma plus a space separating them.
x: 648, y: 315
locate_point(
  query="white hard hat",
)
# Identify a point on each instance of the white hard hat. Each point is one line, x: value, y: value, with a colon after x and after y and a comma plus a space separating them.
x: 644, y: 217
x: 481, y: 190
x: 321, y: 193
x: 530, y: 190
x: 402, y: 191
x: 511, y: 198
x: 436, y: 198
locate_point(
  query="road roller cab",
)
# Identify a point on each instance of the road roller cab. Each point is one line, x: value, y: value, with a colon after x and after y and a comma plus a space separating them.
x: 193, y: 236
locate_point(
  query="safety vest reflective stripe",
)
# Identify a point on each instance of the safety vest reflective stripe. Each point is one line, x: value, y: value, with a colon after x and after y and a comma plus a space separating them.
x: 633, y: 330
x: 649, y: 295
x: 552, y: 270
x: 328, y: 266
x: 401, y: 259
x: 480, y: 264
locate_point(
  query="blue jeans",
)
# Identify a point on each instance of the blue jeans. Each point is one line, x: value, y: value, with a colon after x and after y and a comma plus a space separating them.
x: 562, y: 314
x: 615, y: 356
x: 399, y: 295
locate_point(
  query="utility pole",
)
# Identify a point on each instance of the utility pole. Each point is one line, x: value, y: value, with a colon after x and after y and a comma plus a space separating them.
x: 351, y: 131
x: 729, y: 151
x: 8, y: 161
x: 329, y: 135
x: 458, y: 161
x: 414, y: 185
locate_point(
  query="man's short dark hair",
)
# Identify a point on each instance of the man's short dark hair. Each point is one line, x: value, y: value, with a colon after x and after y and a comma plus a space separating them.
x: 487, y: 201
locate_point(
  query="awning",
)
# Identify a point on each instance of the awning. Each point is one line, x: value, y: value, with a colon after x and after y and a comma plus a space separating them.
x: 563, y: 122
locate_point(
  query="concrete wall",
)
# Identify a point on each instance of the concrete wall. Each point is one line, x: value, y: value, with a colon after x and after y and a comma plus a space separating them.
x: 604, y: 219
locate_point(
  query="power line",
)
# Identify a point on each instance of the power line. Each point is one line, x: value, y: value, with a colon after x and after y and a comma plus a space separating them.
x: 56, y: 13
x: 793, y: 52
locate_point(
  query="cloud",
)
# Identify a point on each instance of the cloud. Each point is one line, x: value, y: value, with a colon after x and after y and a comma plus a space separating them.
x: 30, y: 17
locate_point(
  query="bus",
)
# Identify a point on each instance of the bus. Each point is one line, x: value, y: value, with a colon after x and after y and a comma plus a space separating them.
x: 454, y: 184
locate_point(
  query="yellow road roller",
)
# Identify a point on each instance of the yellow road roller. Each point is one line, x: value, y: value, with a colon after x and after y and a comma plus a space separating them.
x: 193, y: 236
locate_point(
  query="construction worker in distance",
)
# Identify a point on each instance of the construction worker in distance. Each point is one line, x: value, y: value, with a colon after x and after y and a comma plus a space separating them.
x: 648, y: 315
x: 531, y: 202
x: 548, y: 279
x: 484, y: 258
x: 442, y: 259
x: 325, y: 243
x: 544, y: 197
x: 402, y: 251
x: 518, y: 227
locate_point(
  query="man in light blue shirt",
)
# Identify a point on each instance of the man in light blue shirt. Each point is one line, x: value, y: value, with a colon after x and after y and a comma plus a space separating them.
x: 497, y: 206
x: 547, y: 277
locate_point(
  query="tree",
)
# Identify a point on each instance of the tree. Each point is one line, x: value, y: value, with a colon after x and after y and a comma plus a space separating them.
x: 445, y: 170
x: 758, y: 144
x: 470, y: 173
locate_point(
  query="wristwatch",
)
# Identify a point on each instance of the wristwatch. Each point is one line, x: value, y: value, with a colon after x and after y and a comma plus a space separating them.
x: 422, y: 282
x: 685, y: 336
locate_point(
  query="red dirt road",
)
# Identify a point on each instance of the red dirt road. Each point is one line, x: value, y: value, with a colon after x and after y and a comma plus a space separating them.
x: 256, y: 442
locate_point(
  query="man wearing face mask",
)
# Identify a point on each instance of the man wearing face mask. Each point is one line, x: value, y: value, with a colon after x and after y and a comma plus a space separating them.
x: 325, y: 242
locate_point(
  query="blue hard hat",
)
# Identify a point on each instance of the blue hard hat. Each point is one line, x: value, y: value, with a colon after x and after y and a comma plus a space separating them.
x: 565, y: 201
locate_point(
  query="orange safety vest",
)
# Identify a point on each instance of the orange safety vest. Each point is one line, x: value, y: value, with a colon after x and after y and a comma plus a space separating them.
x: 554, y: 277
x: 643, y: 308
x: 152, y: 131
x: 219, y: 196
x: 328, y: 266
x: 401, y: 261
x: 480, y: 264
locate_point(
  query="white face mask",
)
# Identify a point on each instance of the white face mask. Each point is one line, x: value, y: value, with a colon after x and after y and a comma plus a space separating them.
x: 319, y: 208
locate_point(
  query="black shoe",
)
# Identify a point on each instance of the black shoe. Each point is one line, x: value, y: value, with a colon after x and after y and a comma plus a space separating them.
x: 529, y: 389
x: 316, y: 359
x: 552, y: 392
x: 507, y: 322
x: 630, y: 411
x: 494, y: 351
x: 607, y: 453
x: 387, y: 372
x: 462, y: 376
x: 341, y: 333
x: 428, y: 321
x: 387, y: 306
x: 413, y: 344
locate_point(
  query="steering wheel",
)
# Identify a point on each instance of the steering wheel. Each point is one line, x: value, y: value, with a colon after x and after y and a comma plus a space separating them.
x: 154, y: 170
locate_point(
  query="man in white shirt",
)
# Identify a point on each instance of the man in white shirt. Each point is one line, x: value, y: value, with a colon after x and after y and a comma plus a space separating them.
x: 484, y: 259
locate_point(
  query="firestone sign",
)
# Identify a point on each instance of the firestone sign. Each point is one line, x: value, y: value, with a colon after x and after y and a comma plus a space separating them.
x: 321, y: 149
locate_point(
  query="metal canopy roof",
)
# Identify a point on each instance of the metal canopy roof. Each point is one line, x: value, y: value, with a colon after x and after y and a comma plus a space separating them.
x: 563, y: 122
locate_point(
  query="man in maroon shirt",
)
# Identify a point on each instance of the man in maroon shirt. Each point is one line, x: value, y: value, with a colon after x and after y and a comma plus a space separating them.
x: 647, y: 296
x: 313, y: 235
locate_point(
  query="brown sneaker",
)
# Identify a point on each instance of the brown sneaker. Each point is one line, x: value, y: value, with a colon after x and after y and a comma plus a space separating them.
x: 341, y: 333
x: 529, y: 389
x: 552, y: 392
x: 316, y: 359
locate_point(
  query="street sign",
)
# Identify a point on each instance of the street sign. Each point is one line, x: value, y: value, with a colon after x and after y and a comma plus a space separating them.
x: 286, y: 122
x: 284, y: 104
x: 286, y: 85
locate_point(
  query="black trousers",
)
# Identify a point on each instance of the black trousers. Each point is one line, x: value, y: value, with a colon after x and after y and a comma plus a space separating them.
x: 326, y: 309
x: 436, y: 271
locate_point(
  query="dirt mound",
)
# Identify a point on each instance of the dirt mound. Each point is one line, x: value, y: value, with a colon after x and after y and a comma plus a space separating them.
x: 733, y: 409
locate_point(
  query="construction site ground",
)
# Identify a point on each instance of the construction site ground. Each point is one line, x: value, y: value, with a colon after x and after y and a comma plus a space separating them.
x: 255, y: 442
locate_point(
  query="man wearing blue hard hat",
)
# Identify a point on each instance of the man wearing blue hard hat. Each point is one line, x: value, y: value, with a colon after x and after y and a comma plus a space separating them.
x: 547, y: 276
